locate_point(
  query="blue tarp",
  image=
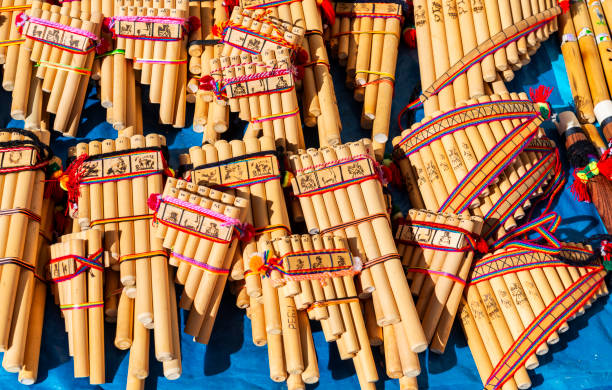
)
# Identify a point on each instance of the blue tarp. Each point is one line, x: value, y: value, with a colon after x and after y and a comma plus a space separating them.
x: 232, y: 361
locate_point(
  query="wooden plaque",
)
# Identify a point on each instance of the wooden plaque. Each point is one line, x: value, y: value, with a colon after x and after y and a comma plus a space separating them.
x: 56, y: 36
x: 429, y: 236
x: 308, y: 182
x: 239, y: 172
x: 17, y: 157
x: 195, y: 222
x: 122, y: 165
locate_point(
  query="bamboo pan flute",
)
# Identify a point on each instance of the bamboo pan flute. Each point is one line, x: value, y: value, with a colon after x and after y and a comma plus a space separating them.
x: 119, y: 93
x: 329, y: 297
x: 80, y: 295
x: 362, y: 36
x: 21, y: 190
x: 204, y: 252
x: 139, y: 258
x: 248, y: 169
x: 202, y: 46
x: 437, y: 277
x: 22, y: 355
x: 51, y: 79
x: 502, y: 307
x: 437, y: 171
x: 319, y: 105
x: 581, y: 152
x: 352, y: 206
x: 156, y: 46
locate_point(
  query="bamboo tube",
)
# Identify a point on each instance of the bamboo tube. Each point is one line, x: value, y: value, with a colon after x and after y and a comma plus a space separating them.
x: 79, y: 316
x: 63, y: 297
x: 375, y: 332
x: 588, y: 50
x: 310, y: 374
x: 139, y: 351
x: 29, y: 371
x: 111, y: 295
x: 12, y: 52
x: 172, y: 368
x: 125, y: 314
x: 111, y: 233
x: 171, y: 71
x: 21, y: 86
x: 258, y: 325
x: 603, y: 113
x: 276, y: 359
x: 149, y: 46
x: 159, y: 51
x: 291, y: 336
x: 95, y: 293
x: 126, y: 238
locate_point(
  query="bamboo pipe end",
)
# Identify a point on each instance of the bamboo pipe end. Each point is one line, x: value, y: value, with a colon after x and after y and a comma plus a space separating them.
x: 173, y: 373
x: 164, y: 357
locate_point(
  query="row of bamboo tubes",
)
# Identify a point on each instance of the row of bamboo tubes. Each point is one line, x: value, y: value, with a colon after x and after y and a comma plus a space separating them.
x: 369, y: 44
x: 437, y: 296
x: 203, y: 289
x: 495, y: 312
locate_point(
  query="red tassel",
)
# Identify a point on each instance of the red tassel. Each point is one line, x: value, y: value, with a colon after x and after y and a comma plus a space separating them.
x: 72, y: 178
x: 154, y: 201
x: 481, y: 245
x: 217, y: 31
x: 207, y: 83
x: 103, y: 46
x: 580, y: 191
x: 565, y: 5
x: 328, y: 11
x: 605, y: 165
x: 410, y: 37
x: 193, y: 24
x: 540, y: 94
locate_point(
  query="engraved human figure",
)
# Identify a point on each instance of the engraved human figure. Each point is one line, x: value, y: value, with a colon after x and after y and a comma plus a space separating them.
x: 117, y: 168
x: 261, y: 168
x: 163, y: 31
x: 307, y: 183
x: 90, y: 169
x: 232, y: 171
x: 318, y: 262
x: 144, y: 162
x: 212, y: 230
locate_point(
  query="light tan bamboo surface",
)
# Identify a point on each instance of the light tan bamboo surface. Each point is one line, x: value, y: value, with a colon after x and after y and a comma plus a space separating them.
x: 158, y: 49
x: 47, y: 74
x: 202, y: 245
x: 358, y: 212
x: 434, y: 274
x: 439, y: 168
x: 499, y: 308
x: 301, y: 257
x: 83, y: 295
x: 369, y: 54
x: 131, y: 246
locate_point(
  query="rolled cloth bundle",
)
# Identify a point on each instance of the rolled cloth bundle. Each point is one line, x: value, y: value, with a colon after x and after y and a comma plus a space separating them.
x: 201, y: 226
x: 97, y: 181
x: 336, y: 182
x: 520, y: 295
x: 77, y: 267
x: 437, y: 250
x: 592, y: 174
x: 319, y: 270
x: 365, y: 39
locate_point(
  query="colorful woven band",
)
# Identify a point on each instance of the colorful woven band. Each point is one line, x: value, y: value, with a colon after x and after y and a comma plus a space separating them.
x: 14, y: 8
x: 24, y: 155
x: 558, y: 312
x: 67, y: 68
x: 354, y: 223
x: 259, y: 4
x: 19, y: 262
x: 201, y: 265
x: 332, y: 302
x: 236, y: 172
x: 273, y: 117
x: 143, y: 255
x: 105, y: 221
x: 426, y: 271
x: 272, y: 228
x: 239, y: 86
x: 26, y: 212
x: 24, y: 21
x: 475, y: 56
x: 63, y: 272
x: 111, y: 53
x: 549, y: 164
x: 12, y: 42
x: 335, y: 175
x: 150, y: 22
x: 381, y: 259
x: 156, y: 61
x: 206, y: 224
x: 307, y: 265
x: 87, y: 305
x: 473, y: 242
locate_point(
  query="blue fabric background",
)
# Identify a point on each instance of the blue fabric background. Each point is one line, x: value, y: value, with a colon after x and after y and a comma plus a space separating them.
x: 232, y: 361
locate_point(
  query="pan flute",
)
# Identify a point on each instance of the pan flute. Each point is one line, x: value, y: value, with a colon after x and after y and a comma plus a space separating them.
x: 118, y: 89
x: 502, y: 162
x: 201, y: 227
x: 97, y: 182
x: 61, y: 43
x: 318, y: 98
x: 77, y: 267
x: 518, y: 298
x: 317, y: 272
x: 25, y: 154
x: 437, y: 250
x: 154, y: 36
x: 342, y: 184
x: 362, y: 36
x: 201, y: 48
